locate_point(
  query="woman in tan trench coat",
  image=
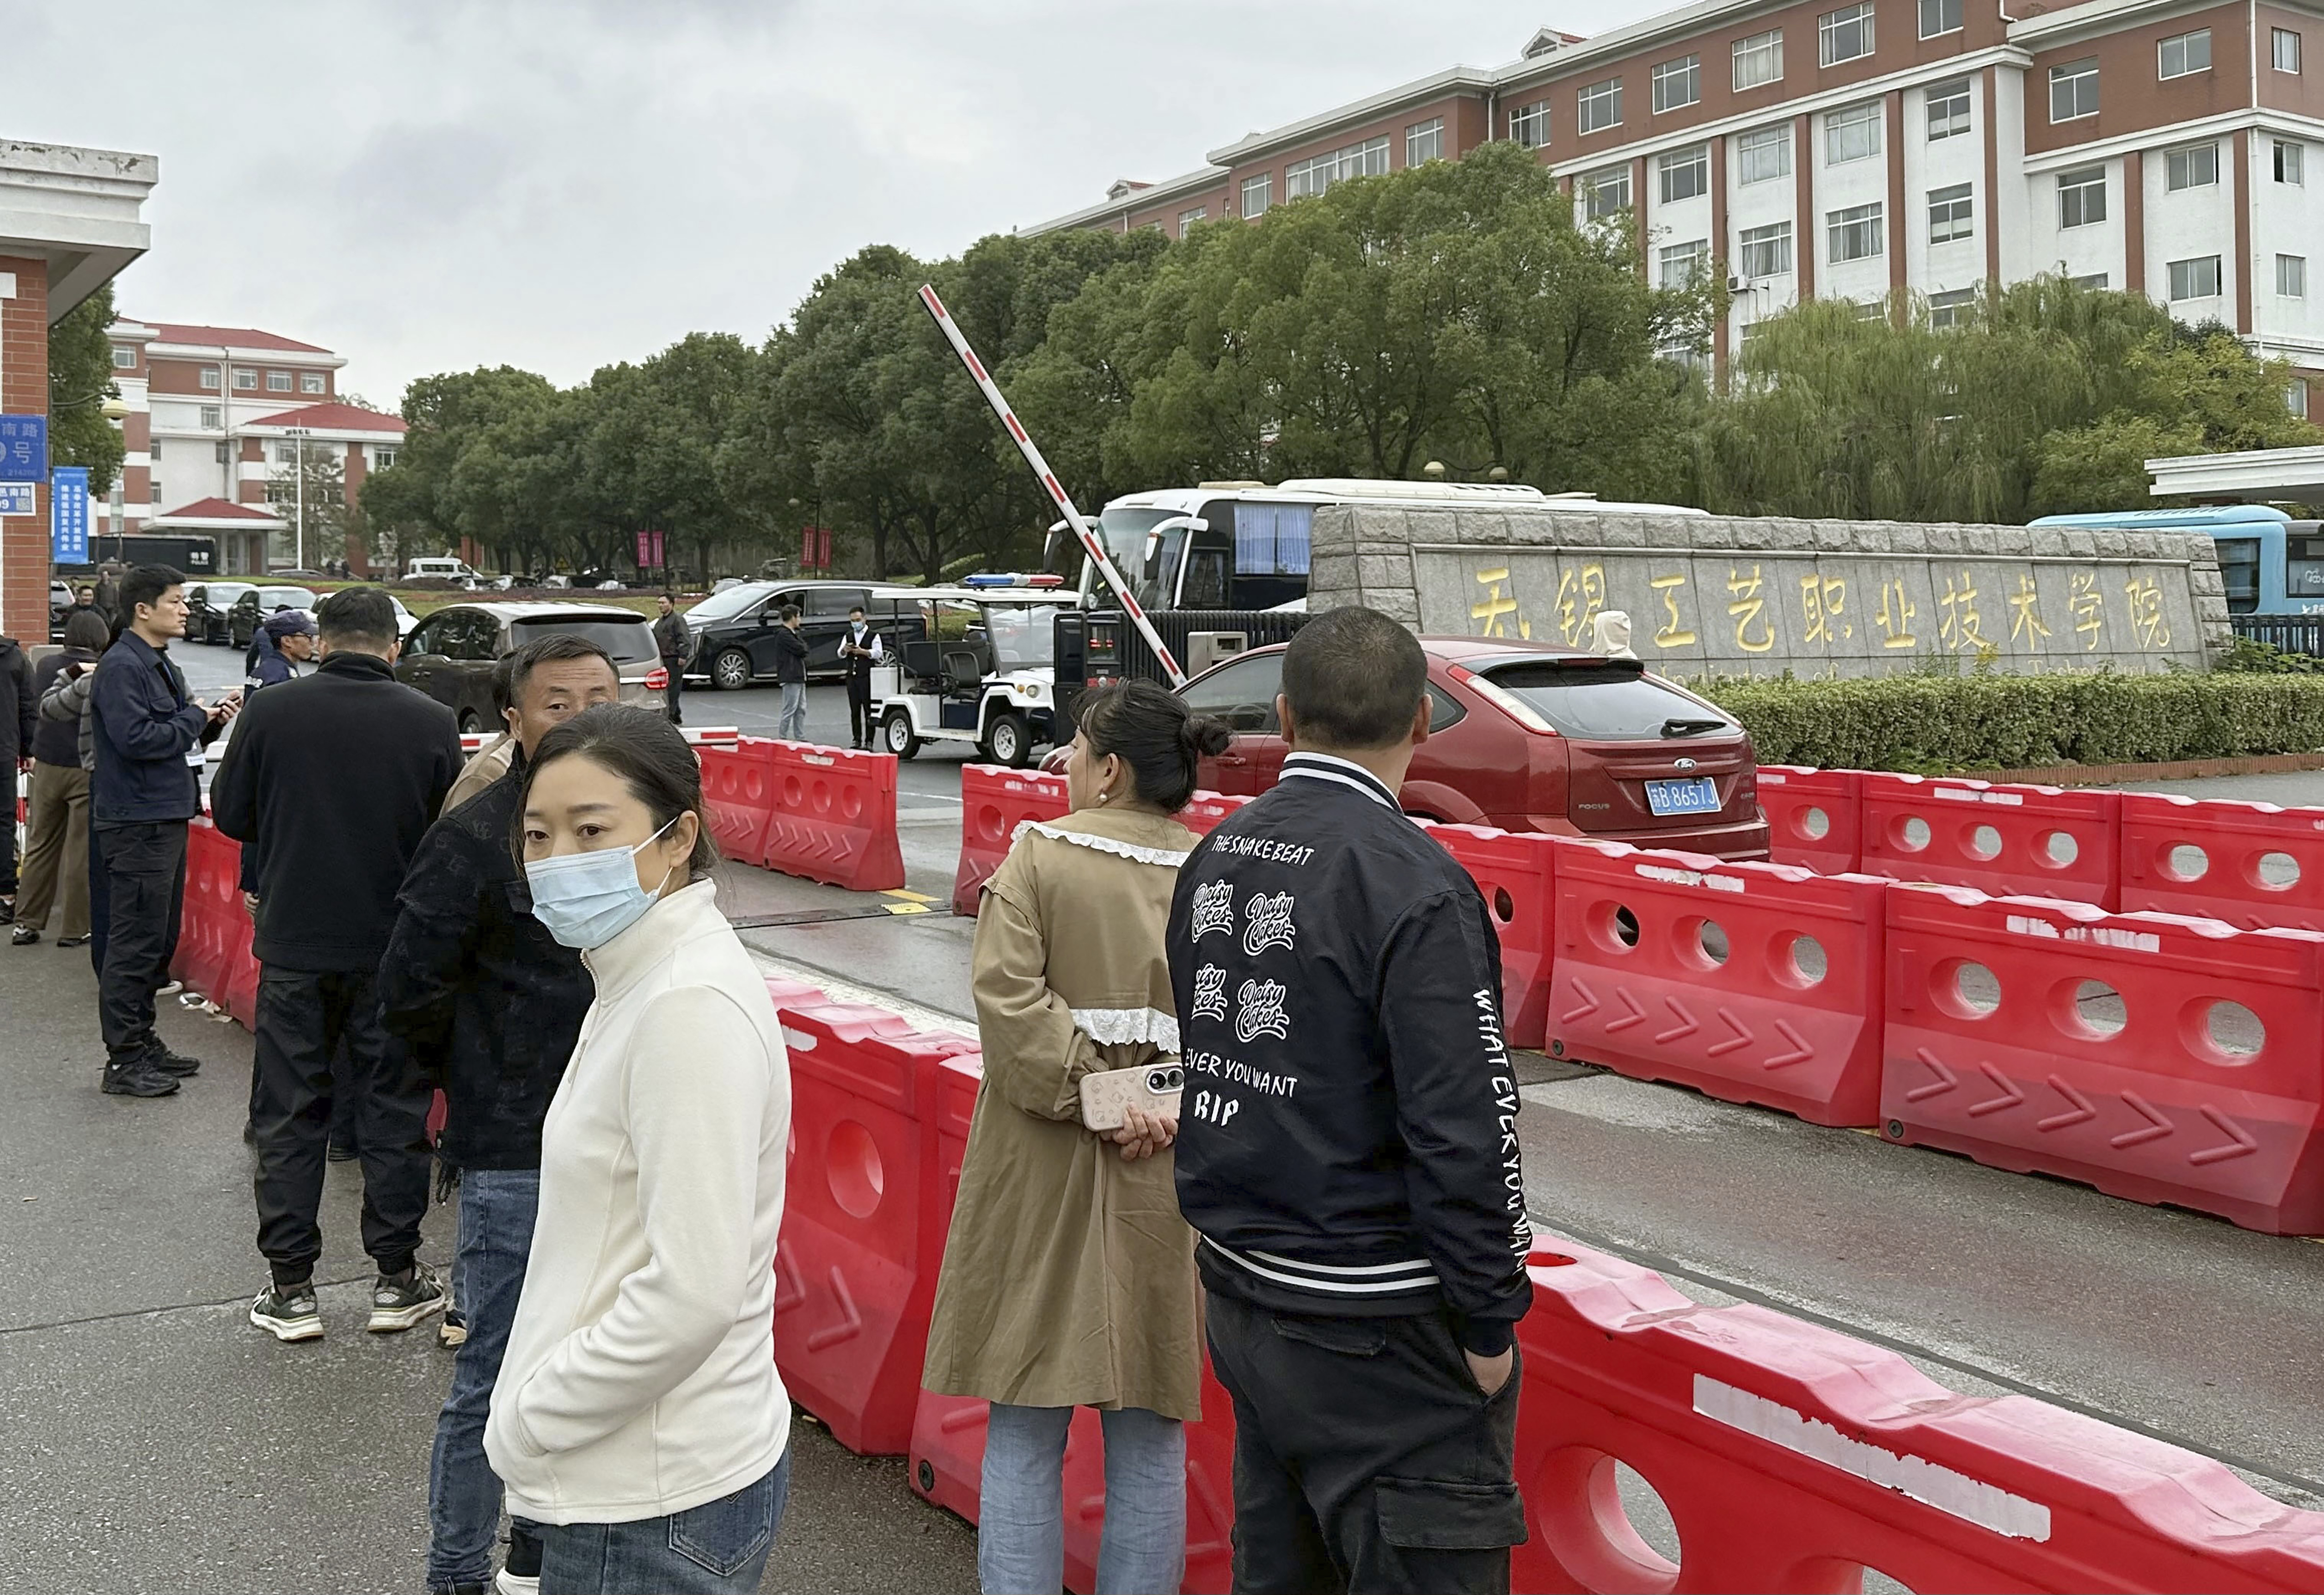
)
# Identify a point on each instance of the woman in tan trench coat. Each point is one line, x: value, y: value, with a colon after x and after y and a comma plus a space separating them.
x: 1069, y: 1277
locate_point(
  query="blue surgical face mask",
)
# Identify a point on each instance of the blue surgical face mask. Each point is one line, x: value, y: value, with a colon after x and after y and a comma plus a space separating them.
x: 587, y: 899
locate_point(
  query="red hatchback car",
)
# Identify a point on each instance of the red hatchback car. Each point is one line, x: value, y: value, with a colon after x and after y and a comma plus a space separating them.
x: 1528, y: 738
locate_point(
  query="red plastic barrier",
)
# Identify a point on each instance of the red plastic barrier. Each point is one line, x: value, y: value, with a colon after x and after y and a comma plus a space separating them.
x: 1204, y: 810
x: 789, y: 993
x: 214, y: 930
x: 855, y: 1269
x: 2252, y: 864
x: 2031, y: 841
x: 994, y: 801
x: 2159, y: 1058
x: 1791, y: 1457
x: 832, y: 816
x: 735, y: 786
x: 1517, y: 873
x: 1815, y: 817
x: 1752, y: 983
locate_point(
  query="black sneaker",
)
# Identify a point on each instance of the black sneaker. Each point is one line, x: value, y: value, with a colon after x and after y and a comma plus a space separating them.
x: 287, y: 1315
x: 520, y: 1573
x: 138, y: 1078
x: 171, y: 1063
x: 453, y: 1333
x: 399, y: 1301
x: 24, y: 936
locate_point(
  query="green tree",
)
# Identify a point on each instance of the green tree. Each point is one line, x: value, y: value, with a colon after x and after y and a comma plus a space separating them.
x: 2046, y: 396
x: 80, y: 380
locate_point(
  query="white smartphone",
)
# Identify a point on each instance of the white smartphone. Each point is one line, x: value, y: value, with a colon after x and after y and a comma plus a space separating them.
x: 1105, y: 1095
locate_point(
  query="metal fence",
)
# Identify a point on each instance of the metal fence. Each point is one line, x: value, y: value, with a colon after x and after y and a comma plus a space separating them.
x: 1259, y: 626
x: 2293, y: 634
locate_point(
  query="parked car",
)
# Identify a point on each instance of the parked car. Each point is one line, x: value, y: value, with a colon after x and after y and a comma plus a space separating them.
x: 207, y: 607
x: 735, y: 630
x: 446, y: 568
x: 1530, y: 739
x: 449, y: 656
x: 250, y: 609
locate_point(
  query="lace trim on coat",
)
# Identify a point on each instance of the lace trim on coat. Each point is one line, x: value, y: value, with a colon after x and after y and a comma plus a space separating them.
x: 1124, y: 1027
x: 1163, y: 856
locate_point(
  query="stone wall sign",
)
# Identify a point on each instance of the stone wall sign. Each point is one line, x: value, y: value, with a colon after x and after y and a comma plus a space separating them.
x: 1730, y: 596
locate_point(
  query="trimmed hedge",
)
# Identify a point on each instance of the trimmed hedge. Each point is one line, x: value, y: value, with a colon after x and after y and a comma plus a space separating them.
x: 1936, y: 723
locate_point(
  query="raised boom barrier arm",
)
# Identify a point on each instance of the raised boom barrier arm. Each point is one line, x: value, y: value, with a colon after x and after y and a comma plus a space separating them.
x: 1089, y: 542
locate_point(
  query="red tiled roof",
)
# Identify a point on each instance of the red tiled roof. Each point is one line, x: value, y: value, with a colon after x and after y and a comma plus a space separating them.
x: 216, y: 509
x: 333, y: 418
x: 232, y: 338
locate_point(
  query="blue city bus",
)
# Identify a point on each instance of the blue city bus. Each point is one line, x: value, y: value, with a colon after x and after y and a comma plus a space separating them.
x: 2272, y: 564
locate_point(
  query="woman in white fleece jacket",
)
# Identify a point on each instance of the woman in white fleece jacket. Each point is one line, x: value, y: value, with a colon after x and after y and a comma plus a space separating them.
x: 638, y: 1417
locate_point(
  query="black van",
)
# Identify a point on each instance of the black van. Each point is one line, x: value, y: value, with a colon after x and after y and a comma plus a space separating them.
x: 735, y: 630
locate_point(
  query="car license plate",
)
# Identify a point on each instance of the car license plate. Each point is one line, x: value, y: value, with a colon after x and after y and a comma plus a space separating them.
x: 1697, y: 795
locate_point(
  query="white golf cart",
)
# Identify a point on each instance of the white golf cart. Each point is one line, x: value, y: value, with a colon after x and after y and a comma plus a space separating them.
x: 995, y: 687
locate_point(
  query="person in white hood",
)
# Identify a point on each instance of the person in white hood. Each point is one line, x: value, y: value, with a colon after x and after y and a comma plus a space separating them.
x: 639, y: 1418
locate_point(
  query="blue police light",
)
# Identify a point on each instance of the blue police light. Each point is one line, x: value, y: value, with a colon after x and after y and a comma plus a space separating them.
x: 1011, y: 579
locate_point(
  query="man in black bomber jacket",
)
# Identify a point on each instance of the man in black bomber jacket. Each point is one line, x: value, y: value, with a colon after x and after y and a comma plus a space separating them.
x: 477, y: 985
x: 1348, y: 1150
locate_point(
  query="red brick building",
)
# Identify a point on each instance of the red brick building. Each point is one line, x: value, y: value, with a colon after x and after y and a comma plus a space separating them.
x: 71, y: 220
x: 221, y: 412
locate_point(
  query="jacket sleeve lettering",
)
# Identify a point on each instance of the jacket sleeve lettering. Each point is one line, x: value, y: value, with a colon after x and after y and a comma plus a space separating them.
x: 1456, y: 1095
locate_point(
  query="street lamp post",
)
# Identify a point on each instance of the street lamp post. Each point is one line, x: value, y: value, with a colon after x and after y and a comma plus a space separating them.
x: 298, y: 435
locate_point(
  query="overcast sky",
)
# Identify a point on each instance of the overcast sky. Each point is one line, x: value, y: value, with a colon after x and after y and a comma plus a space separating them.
x: 426, y: 186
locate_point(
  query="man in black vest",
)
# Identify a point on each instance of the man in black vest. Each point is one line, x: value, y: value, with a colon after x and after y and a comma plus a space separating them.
x: 862, y: 649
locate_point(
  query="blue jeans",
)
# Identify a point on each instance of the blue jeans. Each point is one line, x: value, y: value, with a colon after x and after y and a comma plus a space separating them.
x: 1021, y: 1530
x: 718, y: 1548
x: 464, y: 1494
x: 790, y: 719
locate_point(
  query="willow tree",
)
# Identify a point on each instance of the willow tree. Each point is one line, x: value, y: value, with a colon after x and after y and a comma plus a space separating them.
x: 2035, y: 399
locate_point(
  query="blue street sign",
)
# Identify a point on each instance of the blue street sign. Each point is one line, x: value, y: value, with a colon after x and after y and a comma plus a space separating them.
x: 16, y: 498
x: 23, y: 449
x: 68, y: 515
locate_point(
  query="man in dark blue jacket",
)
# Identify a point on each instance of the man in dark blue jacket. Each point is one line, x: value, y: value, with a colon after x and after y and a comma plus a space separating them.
x: 476, y: 983
x: 1348, y: 1150
x: 150, y: 734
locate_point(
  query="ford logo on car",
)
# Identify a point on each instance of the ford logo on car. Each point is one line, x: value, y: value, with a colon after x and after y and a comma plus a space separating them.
x: 1682, y: 764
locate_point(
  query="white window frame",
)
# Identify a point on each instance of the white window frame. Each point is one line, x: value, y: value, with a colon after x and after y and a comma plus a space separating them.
x: 245, y: 379
x: 1315, y: 175
x: 1261, y: 188
x: 1945, y: 308
x: 382, y: 456
x: 212, y: 417
x: 1761, y: 253
x: 1952, y: 214
x: 285, y: 453
x: 1758, y: 49
x: 1678, y: 84
x: 2283, y: 47
x: 2186, y: 272
x: 1693, y: 164
x: 1955, y: 98
x: 1866, y: 224
x: 2071, y: 76
x: 1687, y: 260
x: 2293, y: 171
x: 209, y: 379
x: 1847, y: 123
x: 2291, y: 276
x: 2080, y: 183
x: 2096, y: 280
x: 278, y: 381
x: 1754, y: 146
x: 1835, y: 29
x: 311, y: 382
x: 1945, y: 24
x: 1188, y: 218
x: 1424, y: 142
x: 1593, y: 102
x: 2185, y: 49
x: 1592, y: 187
x: 1529, y: 126
x: 125, y: 357
x: 2191, y: 166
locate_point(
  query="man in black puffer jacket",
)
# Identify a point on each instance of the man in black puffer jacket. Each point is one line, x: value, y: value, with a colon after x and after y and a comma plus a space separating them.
x: 480, y: 988
x: 20, y: 715
x: 336, y: 780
